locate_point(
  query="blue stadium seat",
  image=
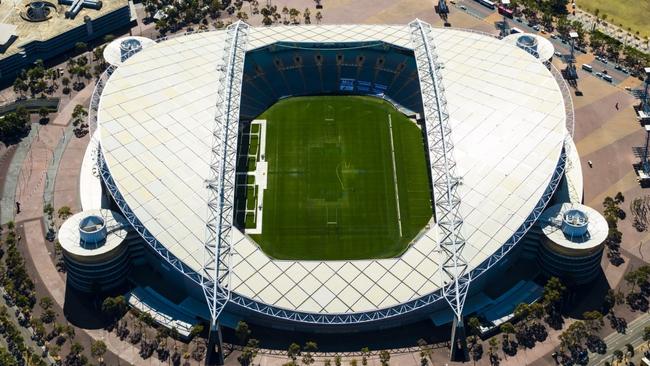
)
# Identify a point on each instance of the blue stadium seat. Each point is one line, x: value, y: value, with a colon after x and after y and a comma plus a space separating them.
x: 372, y: 68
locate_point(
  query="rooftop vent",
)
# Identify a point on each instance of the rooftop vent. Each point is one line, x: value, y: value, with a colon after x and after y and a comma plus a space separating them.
x: 574, y: 223
x: 38, y: 11
x: 92, y: 230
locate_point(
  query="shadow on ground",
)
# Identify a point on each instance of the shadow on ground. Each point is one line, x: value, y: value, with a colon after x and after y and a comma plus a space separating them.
x: 84, y: 310
x: 587, y: 297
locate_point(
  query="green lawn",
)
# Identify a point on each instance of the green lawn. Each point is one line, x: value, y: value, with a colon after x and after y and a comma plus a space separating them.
x: 331, y: 193
x: 630, y: 13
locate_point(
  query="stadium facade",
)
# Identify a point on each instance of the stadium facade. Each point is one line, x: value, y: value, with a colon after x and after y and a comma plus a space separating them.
x: 26, y: 38
x: 166, y: 123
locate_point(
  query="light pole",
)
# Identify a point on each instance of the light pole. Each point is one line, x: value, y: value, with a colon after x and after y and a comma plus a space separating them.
x: 504, y: 29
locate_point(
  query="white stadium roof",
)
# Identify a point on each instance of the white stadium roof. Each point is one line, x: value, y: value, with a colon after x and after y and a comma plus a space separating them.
x: 507, y: 116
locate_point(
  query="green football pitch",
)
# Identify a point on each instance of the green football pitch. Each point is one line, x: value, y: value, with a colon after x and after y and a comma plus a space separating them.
x: 332, y: 179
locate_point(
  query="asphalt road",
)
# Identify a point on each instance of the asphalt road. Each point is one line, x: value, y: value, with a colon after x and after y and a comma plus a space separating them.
x: 633, y: 335
x: 481, y: 12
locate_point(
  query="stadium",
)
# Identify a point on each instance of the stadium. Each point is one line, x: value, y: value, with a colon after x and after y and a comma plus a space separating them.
x: 331, y: 179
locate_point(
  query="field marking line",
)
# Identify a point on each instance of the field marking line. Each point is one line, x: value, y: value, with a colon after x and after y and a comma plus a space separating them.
x: 392, y: 154
x: 336, y: 170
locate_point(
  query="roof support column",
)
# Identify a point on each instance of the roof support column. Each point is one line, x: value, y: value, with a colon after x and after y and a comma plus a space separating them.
x: 444, y: 179
x: 215, y: 278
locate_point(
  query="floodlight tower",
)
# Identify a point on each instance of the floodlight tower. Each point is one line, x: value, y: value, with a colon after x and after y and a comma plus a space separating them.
x: 643, y: 109
x: 504, y: 29
x: 442, y: 10
x: 644, y: 165
x: 570, y: 72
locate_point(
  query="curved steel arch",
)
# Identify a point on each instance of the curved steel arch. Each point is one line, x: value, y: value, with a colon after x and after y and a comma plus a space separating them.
x: 215, y: 279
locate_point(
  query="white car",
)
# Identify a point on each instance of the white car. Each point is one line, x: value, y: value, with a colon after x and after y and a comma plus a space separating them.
x: 463, y: 7
x: 599, y: 75
x: 558, y: 54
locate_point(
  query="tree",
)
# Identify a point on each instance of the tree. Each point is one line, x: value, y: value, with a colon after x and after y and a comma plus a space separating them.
x: 384, y: 357
x: 553, y: 290
x: 7, y: 358
x: 243, y: 332
x: 293, y: 352
x: 594, y: 321
x: 48, y: 209
x: 14, y: 125
x: 293, y: 16
x: 474, y: 327
x: 364, y: 355
x: 196, y: 330
x: 98, y: 349
x: 76, y: 348
x: 78, y: 114
x: 115, y: 307
x: 618, y: 354
x: 249, y: 352
x: 64, y: 212
x: 425, y: 351
x: 619, y: 198
x: 242, y: 16
x: 307, y: 356
x: 507, y: 328
x: 551, y: 299
x: 646, y: 334
x: 43, y: 113
x: 80, y: 47
x: 307, y: 15
x: 494, y: 347
x: 476, y: 351
x: 574, y: 335
x: 20, y: 86
x: 285, y: 12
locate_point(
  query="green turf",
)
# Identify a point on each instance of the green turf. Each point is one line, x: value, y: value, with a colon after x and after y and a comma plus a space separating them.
x: 632, y: 14
x: 331, y: 193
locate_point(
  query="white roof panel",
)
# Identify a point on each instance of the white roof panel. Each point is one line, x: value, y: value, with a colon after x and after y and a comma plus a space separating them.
x: 507, y: 118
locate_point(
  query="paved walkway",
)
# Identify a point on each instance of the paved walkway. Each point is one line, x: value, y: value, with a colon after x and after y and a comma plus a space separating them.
x: 13, y: 176
x: 30, y: 195
x: 55, y: 284
x: 66, y: 185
